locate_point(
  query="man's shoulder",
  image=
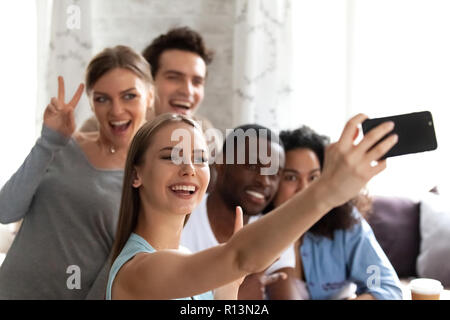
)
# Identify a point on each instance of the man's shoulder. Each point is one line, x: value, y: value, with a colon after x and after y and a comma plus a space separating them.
x: 90, y: 125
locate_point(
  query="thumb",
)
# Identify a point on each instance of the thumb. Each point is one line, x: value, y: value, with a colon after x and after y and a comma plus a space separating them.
x: 238, y: 220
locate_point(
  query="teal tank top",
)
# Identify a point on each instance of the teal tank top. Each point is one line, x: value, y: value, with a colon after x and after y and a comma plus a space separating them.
x: 135, y: 245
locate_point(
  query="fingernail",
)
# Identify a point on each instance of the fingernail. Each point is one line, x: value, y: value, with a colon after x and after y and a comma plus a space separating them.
x: 391, y: 124
x: 395, y: 137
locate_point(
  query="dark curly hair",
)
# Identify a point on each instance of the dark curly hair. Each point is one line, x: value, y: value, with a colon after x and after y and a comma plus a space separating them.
x: 340, y: 217
x: 307, y: 138
x: 182, y: 38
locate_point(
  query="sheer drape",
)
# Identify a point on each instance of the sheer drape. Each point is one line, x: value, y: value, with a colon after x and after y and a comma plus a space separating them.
x: 18, y: 60
x: 65, y: 52
x: 262, y: 62
x: 319, y: 62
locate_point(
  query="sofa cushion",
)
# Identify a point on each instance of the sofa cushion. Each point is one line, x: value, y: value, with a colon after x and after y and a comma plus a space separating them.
x: 434, y: 257
x: 396, y: 224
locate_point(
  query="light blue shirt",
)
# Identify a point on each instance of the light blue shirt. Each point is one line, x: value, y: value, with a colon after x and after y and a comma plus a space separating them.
x: 353, y: 256
x: 135, y: 245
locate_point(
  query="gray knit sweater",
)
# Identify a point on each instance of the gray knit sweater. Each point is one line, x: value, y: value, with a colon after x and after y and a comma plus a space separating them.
x: 70, y: 211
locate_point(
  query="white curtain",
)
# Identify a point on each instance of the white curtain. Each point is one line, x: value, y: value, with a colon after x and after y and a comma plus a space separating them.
x: 341, y: 57
x: 18, y: 61
x: 262, y: 79
x: 66, y: 51
x: 400, y: 64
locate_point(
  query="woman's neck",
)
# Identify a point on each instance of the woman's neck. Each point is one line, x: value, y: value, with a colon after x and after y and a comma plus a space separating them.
x: 106, y: 147
x: 98, y: 153
x: 162, y: 230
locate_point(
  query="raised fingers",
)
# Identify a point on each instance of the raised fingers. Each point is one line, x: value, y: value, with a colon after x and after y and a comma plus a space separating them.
x: 382, y: 148
x: 374, y: 135
x: 61, y: 89
x: 76, y: 97
x: 347, y: 136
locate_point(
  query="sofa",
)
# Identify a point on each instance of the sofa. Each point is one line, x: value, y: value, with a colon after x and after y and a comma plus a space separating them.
x: 414, y: 234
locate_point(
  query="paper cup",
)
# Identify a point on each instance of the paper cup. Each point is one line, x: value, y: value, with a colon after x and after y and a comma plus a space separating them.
x: 425, y: 289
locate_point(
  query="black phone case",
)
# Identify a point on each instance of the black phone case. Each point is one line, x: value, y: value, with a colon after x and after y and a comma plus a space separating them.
x: 415, y: 132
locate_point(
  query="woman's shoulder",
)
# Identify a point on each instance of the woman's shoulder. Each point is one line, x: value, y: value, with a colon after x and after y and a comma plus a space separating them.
x: 83, y: 138
x: 360, y: 229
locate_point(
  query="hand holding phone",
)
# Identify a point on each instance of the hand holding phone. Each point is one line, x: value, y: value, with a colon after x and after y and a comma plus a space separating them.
x: 415, y: 132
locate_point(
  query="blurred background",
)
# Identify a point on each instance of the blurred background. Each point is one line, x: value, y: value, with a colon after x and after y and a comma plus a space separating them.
x: 279, y: 63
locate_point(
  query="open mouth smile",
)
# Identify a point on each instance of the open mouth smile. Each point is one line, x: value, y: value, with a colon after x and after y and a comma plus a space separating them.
x: 181, y: 106
x: 256, y: 196
x: 119, y: 127
x: 184, y: 191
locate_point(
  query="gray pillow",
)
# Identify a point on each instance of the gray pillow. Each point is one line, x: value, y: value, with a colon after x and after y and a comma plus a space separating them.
x: 434, y: 258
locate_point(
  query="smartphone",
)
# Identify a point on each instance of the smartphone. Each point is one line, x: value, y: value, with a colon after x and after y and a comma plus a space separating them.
x: 415, y: 132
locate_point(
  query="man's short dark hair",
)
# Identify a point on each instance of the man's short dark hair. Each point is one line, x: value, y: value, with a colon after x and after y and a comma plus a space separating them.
x: 183, y: 38
x: 270, y: 135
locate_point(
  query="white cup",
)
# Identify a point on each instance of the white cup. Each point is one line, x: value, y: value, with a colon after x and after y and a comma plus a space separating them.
x: 425, y: 289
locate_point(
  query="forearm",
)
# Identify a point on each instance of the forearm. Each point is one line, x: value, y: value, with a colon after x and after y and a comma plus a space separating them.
x: 347, y: 168
x: 260, y: 243
x: 17, y: 194
x: 227, y: 292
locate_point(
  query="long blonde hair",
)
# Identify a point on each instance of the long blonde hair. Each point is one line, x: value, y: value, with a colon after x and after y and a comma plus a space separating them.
x: 130, y: 201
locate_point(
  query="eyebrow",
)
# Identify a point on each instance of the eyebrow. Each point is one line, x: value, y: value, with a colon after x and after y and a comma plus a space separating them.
x: 297, y: 172
x: 182, y: 74
x: 129, y: 89
x: 175, y: 72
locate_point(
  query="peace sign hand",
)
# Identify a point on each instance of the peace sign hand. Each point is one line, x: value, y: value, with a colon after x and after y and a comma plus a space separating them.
x: 59, y: 115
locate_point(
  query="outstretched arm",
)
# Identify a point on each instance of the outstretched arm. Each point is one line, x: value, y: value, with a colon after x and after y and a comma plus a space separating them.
x: 230, y: 290
x: 169, y: 274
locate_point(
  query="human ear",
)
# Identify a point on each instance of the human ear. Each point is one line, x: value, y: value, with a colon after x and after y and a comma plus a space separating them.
x: 137, y: 182
x: 219, y: 169
x: 150, y: 110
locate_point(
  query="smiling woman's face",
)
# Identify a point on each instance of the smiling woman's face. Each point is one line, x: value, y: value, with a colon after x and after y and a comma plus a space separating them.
x: 169, y: 187
x: 120, y: 100
x: 302, y: 168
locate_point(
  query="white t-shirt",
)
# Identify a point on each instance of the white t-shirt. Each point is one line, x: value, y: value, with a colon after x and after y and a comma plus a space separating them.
x: 197, y: 235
